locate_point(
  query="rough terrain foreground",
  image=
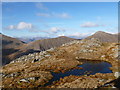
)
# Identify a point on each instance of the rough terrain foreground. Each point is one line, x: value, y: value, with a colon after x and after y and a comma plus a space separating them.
x: 34, y: 70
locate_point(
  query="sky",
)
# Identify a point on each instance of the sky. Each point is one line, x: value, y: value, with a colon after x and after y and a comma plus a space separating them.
x: 53, y: 19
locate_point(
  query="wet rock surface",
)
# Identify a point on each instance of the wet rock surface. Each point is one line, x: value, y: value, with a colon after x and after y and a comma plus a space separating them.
x: 33, y: 70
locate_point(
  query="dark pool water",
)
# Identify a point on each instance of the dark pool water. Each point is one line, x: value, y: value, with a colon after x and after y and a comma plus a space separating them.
x: 92, y: 67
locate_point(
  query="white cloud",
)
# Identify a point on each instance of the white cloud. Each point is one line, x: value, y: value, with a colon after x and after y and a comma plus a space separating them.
x: 61, y: 35
x: 53, y: 14
x: 20, y: 26
x: 50, y: 14
x: 44, y: 14
x: 90, y: 24
x: 11, y: 27
x: 23, y: 25
x: 79, y: 35
x: 61, y: 15
x: 56, y: 29
x: 41, y: 6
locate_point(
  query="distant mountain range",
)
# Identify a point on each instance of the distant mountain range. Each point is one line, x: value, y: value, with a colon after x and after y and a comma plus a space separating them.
x: 13, y: 47
x: 40, y: 45
x: 31, y: 39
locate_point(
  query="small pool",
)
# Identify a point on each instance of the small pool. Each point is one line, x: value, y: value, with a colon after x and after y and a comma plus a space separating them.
x: 89, y: 68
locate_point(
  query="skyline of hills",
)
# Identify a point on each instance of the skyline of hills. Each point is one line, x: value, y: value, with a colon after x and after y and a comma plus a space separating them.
x: 14, y: 48
x: 104, y: 36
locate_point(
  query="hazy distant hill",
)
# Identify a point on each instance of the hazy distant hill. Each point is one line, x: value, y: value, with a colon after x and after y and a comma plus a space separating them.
x: 31, y: 39
x: 104, y: 37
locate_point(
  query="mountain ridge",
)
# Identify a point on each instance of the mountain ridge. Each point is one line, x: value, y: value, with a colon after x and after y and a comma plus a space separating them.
x: 16, y: 50
x: 104, y: 36
x: 12, y: 51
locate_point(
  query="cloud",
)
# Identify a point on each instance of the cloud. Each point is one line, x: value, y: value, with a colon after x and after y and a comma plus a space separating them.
x: 50, y: 14
x: 56, y: 29
x: 20, y: 26
x: 61, y: 35
x: 53, y: 31
x: 53, y: 14
x: 23, y: 25
x: 44, y: 14
x: 61, y: 15
x: 112, y: 30
x: 10, y: 27
x: 79, y: 35
x: 32, y: 28
x: 90, y: 24
x: 41, y: 6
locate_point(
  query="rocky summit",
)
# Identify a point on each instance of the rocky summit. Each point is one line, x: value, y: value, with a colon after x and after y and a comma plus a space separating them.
x: 34, y: 70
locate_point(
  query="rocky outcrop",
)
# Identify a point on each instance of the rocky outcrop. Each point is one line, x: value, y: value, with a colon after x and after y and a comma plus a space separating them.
x: 92, y: 81
x: 25, y: 79
x: 32, y: 47
x: 33, y: 70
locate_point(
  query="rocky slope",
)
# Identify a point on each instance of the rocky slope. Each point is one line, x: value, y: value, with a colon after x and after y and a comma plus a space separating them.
x: 47, y: 43
x: 33, y: 70
x: 9, y: 45
x: 105, y: 37
x: 40, y: 45
x: 13, y: 48
x: 92, y: 81
x: 9, y: 42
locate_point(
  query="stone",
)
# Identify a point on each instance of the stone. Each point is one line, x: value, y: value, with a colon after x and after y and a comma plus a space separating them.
x: 35, y: 60
x: 101, y: 80
x: 51, y: 49
x: 47, y: 55
x: 103, y: 56
x: 24, y: 80
x: 37, y: 57
x: 90, y: 50
x: 2, y: 75
x: 31, y: 78
x: 117, y: 74
x: 12, y: 62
